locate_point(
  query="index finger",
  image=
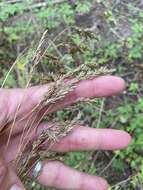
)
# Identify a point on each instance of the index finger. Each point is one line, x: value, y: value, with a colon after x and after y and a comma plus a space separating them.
x: 103, y: 86
x: 26, y: 99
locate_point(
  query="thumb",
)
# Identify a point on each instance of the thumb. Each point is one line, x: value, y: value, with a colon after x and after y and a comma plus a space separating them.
x: 9, y: 180
x: 3, y: 171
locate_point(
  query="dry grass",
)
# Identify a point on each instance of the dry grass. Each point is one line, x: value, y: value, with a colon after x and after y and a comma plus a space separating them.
x: 57, y: 92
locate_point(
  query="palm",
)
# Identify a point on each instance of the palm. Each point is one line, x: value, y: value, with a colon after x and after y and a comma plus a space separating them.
x: 16, y: 108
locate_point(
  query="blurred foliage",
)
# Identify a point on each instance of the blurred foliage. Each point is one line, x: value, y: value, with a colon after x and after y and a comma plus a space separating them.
x: 117, y: 43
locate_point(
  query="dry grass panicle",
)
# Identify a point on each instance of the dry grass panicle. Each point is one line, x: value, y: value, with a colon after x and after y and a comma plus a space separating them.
x: 57, y: 92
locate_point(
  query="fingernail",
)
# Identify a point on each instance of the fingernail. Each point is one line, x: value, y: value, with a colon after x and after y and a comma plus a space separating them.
x: 37, y: 169
x: 16, y: 187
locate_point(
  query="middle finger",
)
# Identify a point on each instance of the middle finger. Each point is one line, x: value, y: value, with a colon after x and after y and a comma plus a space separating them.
x: 81, y: 138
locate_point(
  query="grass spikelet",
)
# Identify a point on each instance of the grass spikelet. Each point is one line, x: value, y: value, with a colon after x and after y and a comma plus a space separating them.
x: 59, y: 87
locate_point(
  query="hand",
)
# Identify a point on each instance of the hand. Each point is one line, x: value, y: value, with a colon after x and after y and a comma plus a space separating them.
x: 54, y: 173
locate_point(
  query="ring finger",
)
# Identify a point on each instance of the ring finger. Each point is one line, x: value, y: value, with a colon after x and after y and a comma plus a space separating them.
x: 57, y: 175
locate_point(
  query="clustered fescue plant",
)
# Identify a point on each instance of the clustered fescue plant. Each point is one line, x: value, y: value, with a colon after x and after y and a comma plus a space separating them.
x: 60, y: 86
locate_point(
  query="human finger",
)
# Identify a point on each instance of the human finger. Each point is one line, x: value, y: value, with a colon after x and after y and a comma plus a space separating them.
x: 22, y: 101
x: 86, y: 138
x: 57, y: 175
x: 10, y: 180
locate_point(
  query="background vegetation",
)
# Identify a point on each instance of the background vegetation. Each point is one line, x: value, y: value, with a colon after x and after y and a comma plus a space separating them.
x: 117, y: 42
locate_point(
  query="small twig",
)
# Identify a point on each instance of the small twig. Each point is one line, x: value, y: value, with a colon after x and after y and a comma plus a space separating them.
x: 108, y: 165
x: 100, y: 113
x: 37, y: 5
x: 122, y: 182
x: 13, y: 1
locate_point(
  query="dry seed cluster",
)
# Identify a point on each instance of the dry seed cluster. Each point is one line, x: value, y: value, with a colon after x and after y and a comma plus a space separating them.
x: 57, y: 92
